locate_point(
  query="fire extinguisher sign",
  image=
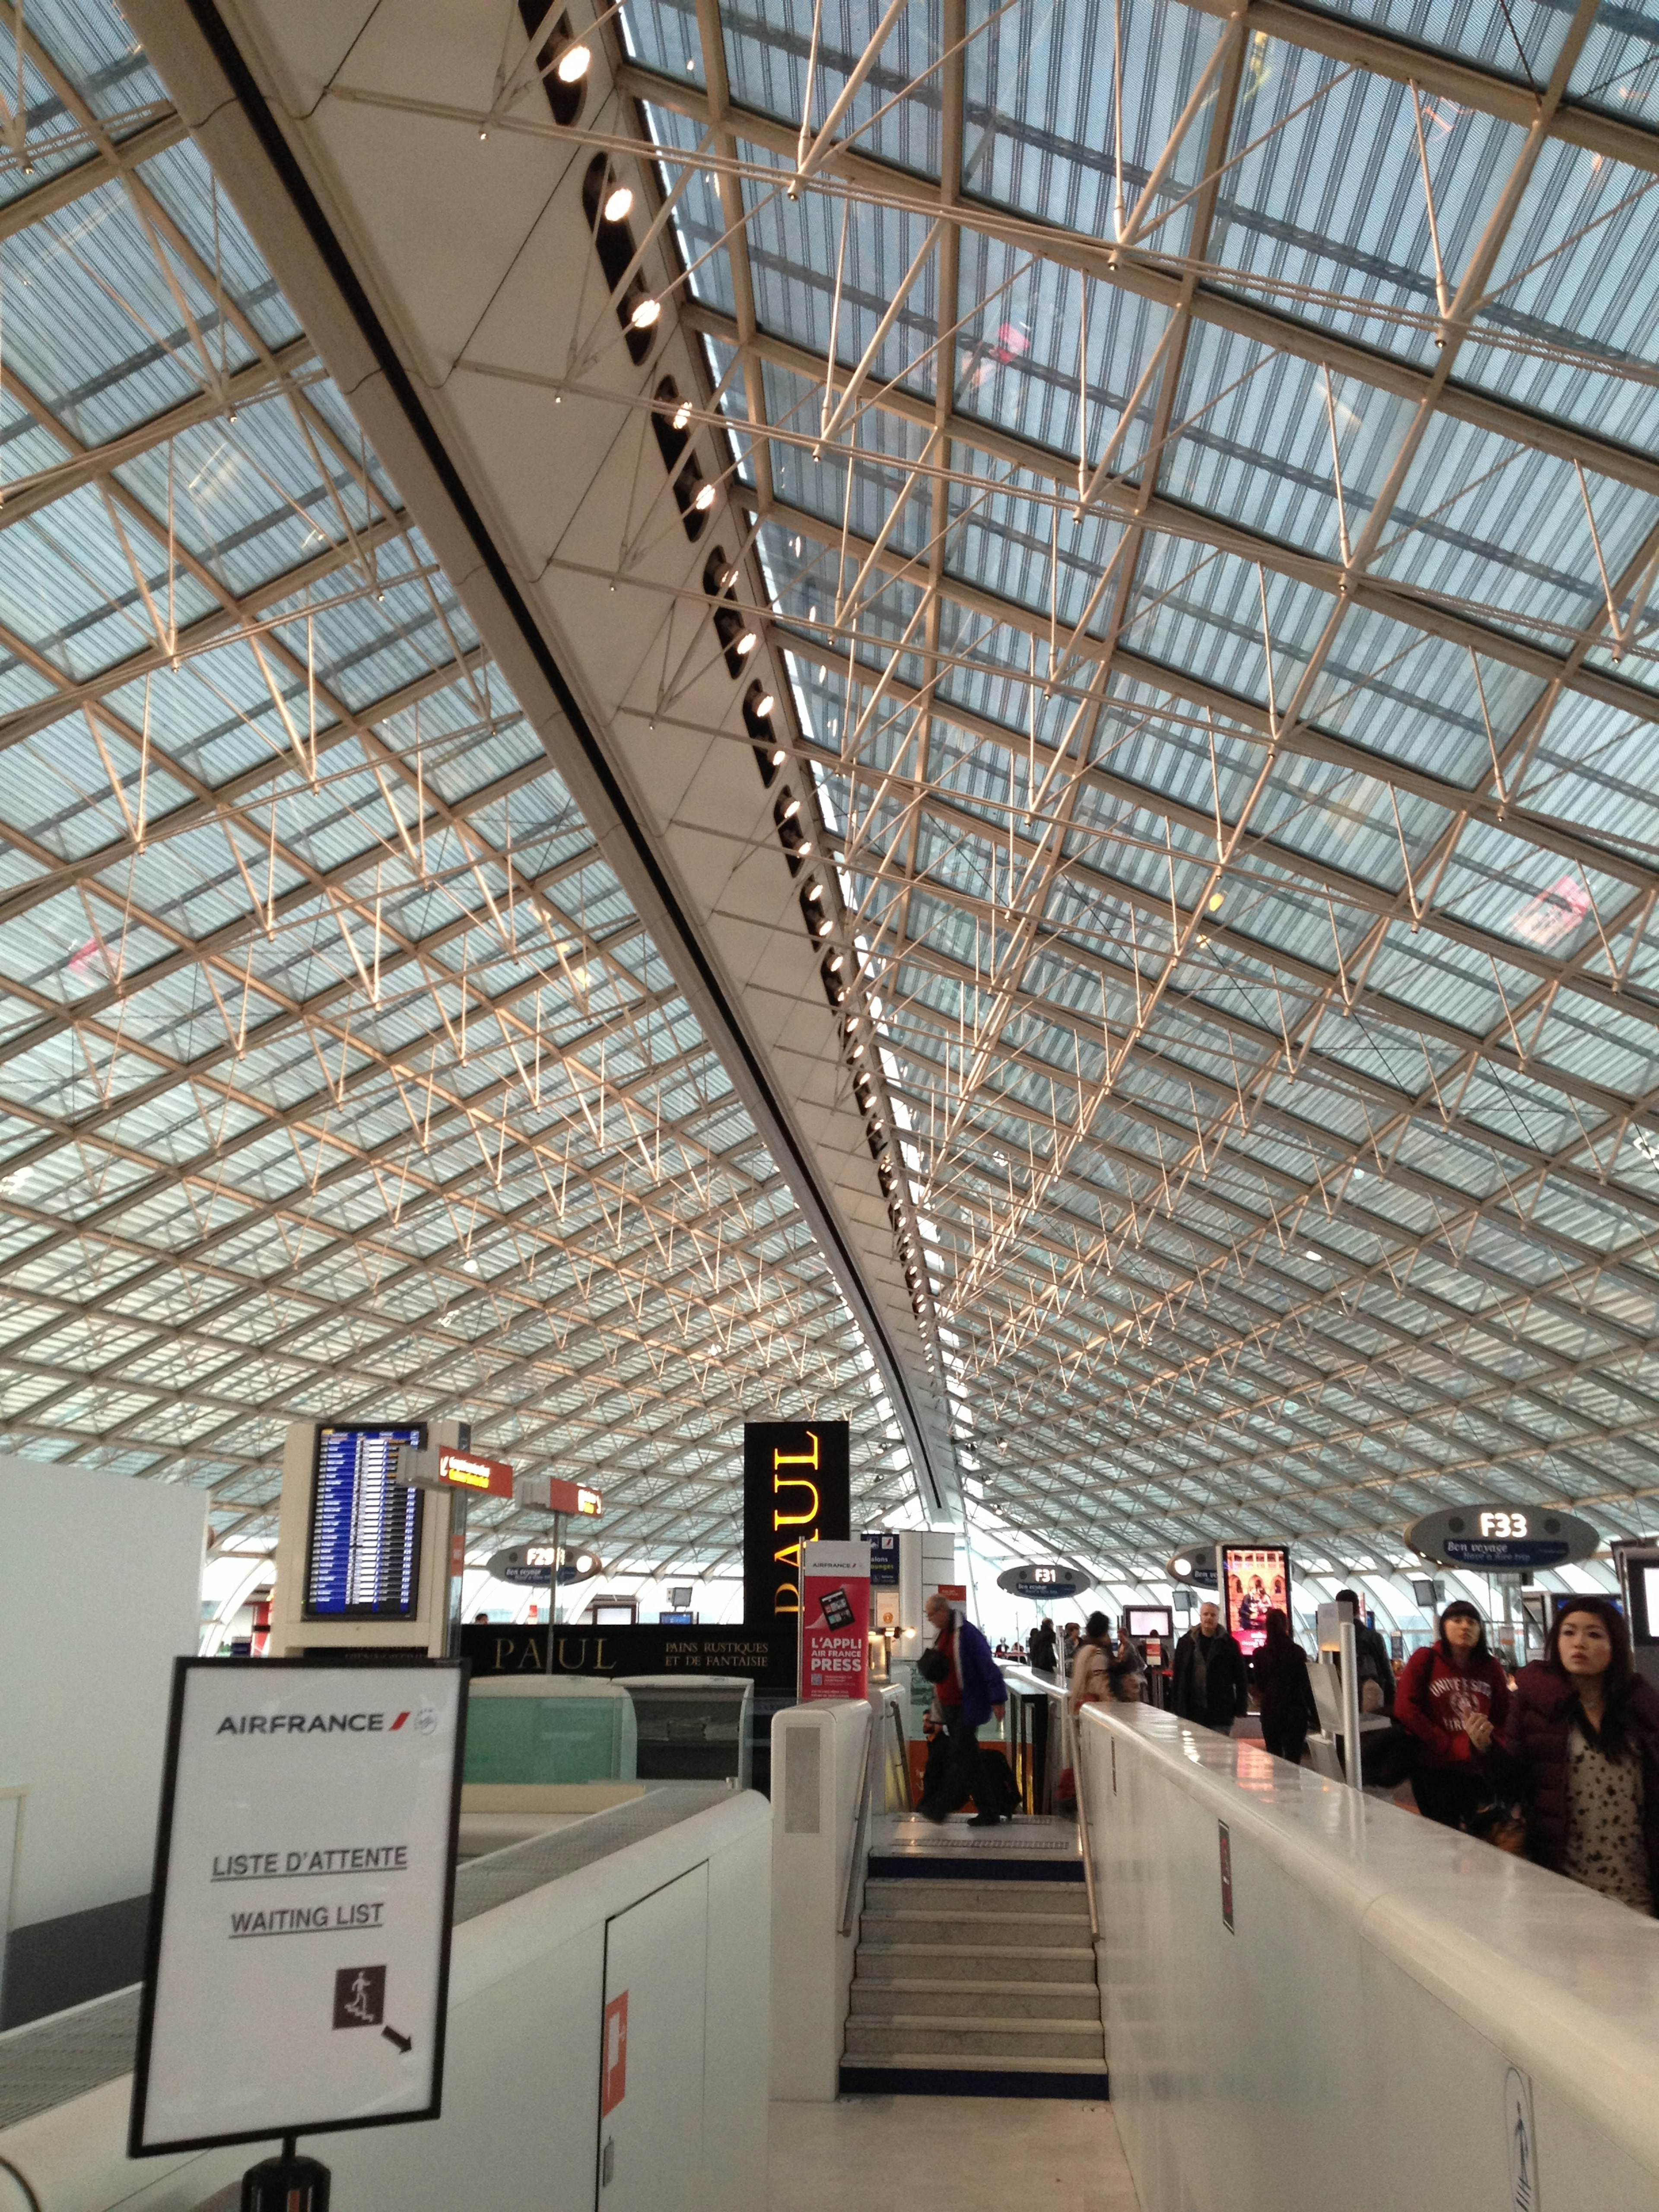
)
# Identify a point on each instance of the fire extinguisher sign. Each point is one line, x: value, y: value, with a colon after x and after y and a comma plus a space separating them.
x: 613, y: 2064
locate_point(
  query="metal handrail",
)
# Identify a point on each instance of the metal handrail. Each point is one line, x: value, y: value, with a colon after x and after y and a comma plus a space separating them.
x: 903, y: 1761
x: 860, y: 1822
x: 1070, y: 1737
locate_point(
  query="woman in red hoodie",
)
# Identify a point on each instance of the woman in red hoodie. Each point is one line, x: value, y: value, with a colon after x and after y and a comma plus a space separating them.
x: 1449, y: 1683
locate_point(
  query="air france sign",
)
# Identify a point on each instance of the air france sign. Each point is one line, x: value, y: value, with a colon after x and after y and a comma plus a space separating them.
x: 299, y: 1942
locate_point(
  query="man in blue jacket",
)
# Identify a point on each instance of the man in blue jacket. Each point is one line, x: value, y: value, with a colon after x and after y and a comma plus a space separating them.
x: 969, y: 1691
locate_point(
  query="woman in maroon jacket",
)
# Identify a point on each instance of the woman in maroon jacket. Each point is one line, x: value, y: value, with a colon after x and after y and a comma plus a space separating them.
x: 1448, y: 1685
x: 1580, y: 1750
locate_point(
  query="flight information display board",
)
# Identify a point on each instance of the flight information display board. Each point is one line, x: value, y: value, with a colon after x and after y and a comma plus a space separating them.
x: 363, y: 1562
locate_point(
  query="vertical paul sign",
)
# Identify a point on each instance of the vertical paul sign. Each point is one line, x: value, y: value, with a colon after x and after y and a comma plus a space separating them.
x: 796, y: 1490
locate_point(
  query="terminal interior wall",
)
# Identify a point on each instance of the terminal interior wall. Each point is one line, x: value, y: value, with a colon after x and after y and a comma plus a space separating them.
x: 99, y: 1582
x: 1322, y: 2051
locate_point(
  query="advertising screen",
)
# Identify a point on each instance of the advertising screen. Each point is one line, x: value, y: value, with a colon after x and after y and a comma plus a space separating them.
x: 363, y: 1560
x: 1150, y: 1620
x: 1256, y: 1578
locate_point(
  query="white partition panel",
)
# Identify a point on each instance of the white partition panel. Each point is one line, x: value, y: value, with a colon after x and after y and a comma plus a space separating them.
x: 521, y: 2126
x: 99, y: 1592
x: 818, y: 1762
x: 1397, y: 2016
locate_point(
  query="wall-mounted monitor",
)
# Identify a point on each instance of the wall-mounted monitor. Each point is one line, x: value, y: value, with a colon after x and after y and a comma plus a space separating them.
x: 1644, y: 1601
x: 363, y: 1552
x: 1255, y: 1579
x: 1145, y: 1620
x: 1564, y: 1601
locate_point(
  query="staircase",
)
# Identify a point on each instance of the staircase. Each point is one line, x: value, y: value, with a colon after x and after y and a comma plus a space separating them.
x: 975, y: 1980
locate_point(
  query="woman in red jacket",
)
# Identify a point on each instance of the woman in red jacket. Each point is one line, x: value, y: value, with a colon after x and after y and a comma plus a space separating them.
x: 1580, y: 1750
x: 1448, y: 1685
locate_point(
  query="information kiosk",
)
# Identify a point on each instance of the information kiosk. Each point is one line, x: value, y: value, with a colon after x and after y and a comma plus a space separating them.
x: 364, y: 1562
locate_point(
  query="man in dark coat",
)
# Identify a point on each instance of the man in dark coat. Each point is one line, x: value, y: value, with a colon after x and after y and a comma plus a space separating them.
x: 968, y: 1689
x: 1211, y: 1685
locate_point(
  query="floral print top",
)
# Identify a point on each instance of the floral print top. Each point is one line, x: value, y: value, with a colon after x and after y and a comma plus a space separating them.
x: 1606, y: 1849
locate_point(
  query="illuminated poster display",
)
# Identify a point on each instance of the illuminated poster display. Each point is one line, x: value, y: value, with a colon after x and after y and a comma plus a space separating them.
x: 363, y: 1561
x: 1255, y: 1579
x: 835, y: 1621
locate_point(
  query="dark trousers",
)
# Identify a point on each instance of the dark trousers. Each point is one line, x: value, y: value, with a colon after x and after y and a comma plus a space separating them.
x: 1449, y: 1794
x: 951, y: 1777
x: 1285, y: 1735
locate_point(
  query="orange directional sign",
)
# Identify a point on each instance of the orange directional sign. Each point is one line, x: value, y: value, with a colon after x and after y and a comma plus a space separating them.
x: 552, y: 1495
x: 491, y: 1478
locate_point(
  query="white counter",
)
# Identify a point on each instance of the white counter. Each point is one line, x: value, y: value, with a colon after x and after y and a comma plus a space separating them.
x: 1359, y: 2037
x: 520, y: 2127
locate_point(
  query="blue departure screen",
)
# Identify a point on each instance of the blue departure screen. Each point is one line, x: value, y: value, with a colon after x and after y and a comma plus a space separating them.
x: 365, y: 1556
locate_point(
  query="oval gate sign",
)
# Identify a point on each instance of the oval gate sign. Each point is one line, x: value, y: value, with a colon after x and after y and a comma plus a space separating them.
x: 530, y: 1566
x: 1044, y: 1580
x: 1503, y: 1538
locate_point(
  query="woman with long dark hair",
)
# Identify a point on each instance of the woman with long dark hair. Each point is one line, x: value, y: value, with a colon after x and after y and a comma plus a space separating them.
x: 1280, y: 1668
x: 1580, y: 1750
x: 1452, y: 1697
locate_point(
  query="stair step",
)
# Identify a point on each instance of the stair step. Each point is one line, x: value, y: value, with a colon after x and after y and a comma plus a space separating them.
x: 1056, y: 2001
x: 947, y: 2062
x: 916, y: 2036
x: 967, y: 1962
x: 990, y: 1930
x: 1050, y: 1900
x: 976, y: 1866
x: 941, y: 2077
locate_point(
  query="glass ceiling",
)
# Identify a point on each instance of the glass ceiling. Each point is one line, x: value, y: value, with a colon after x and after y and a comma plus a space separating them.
x: 341, y: 1079
x: 1205, y: 501
x: 1206, y: 516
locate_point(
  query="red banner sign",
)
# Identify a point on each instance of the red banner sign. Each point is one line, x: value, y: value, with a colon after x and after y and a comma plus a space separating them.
x: 573, y: 1498
x: 835, y: 1621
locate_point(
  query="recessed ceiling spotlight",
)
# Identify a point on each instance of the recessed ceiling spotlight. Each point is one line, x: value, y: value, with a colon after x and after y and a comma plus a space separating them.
x: 747, y: 643
x: 573, y: 64
x: 705, y: 499
x: 764, y: 705
x: 645, y: 313
x: 619, y: 203
x: 682, y: 414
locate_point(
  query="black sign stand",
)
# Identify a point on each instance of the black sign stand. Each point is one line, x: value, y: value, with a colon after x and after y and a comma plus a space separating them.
x: 288, y: 2184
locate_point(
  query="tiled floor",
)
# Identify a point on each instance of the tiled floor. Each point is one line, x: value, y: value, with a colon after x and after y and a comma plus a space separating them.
x: 970, y: 2153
